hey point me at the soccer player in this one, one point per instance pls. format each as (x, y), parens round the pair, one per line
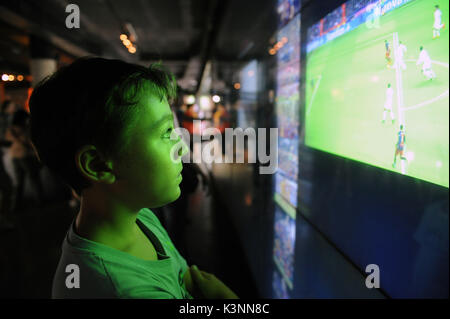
(400, 148)
(401, 50)
(388, 103)
(388, 54)
(425, 60)
(438, 25)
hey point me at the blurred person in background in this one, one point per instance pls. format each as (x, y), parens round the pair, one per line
(6, 111)
(23, 158)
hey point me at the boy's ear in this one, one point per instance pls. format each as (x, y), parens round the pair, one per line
(93, 166)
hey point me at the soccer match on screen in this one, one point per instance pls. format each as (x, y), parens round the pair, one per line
(377, 86)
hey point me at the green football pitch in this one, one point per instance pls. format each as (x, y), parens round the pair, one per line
(346, 82)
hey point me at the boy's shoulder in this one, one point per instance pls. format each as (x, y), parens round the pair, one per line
(152, 222)
(146, 215)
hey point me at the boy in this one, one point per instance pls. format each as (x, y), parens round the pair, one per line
(105, 126)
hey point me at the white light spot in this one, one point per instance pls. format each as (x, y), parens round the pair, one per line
(409, 156)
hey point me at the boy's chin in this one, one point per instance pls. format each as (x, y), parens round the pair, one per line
(176, 195)
(169, 198)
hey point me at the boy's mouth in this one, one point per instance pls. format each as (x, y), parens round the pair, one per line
(179, 177)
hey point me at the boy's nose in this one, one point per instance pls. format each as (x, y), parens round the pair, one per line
(179, 149)
(184, 149)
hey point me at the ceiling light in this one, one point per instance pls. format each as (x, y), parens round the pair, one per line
(189, 99)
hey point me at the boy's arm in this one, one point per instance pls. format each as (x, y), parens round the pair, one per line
(206, 285)
(190, 285)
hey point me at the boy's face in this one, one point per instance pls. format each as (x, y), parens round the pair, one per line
(146, 173)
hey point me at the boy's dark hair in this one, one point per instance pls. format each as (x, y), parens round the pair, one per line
(90, 101)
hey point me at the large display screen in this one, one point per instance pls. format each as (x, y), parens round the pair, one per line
(284, 243)
(286, 10)
(287, 109)
(377, 86)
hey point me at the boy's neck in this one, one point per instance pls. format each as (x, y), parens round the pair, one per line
(107, 221)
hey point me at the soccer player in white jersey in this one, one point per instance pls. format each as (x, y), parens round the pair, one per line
(388, 103)
(438, 25)
(401, 50)
(425, 60)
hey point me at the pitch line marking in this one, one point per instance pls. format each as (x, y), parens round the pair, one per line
(398, 79)
(432, 61)
(437, 98)
(313, 95)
